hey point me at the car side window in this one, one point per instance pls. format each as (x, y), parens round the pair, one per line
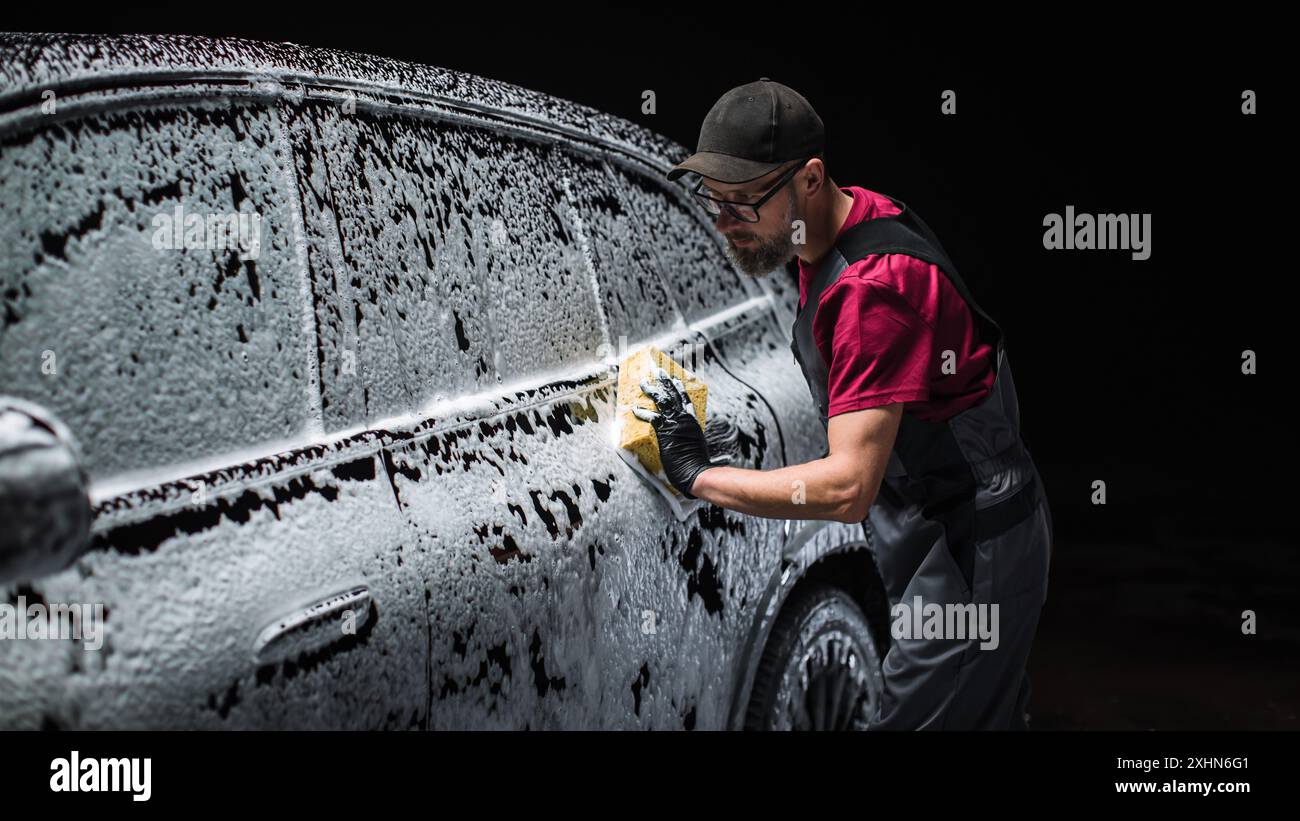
(446, 259)
(637, 305)
(684, 247)
(152, 296)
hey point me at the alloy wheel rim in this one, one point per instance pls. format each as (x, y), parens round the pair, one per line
(827, 687)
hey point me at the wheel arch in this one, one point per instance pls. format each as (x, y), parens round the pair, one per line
(821, 552)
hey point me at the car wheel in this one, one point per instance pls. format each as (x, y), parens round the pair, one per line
(820, 669)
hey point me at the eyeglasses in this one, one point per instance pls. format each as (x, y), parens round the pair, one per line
(743, 211)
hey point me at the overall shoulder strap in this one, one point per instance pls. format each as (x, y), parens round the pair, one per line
(906, 233)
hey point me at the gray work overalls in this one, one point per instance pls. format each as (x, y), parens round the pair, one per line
(961, 518)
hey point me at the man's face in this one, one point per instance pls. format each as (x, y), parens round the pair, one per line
(758, 247)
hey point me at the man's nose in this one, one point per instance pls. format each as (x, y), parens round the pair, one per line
(726, 223)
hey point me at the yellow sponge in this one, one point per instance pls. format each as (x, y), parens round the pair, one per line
(639, 436)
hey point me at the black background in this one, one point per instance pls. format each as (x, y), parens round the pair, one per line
(1129, 371)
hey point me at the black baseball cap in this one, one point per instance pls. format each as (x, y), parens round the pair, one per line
(752, 130)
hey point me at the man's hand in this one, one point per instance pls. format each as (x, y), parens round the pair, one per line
(682, 447)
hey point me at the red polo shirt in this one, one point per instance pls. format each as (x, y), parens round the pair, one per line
(884, 326)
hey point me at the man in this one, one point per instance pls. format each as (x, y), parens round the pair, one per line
(913, 386)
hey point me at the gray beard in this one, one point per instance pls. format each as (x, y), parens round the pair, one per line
(766, 254)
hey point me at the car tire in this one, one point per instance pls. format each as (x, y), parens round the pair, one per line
(820, 669)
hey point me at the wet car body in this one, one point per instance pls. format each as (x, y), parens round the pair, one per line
(399, 414)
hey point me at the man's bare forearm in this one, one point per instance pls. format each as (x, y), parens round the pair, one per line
(822, 489)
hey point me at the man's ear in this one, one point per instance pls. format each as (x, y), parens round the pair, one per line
(815, 171)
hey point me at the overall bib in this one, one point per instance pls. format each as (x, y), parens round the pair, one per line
(961, 518)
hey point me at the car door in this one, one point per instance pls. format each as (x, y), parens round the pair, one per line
(663, 279)
(248, 565)
(451, 274)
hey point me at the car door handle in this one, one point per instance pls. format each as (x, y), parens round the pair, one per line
(312, 626)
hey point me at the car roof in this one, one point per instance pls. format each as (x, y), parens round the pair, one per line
(31, 64)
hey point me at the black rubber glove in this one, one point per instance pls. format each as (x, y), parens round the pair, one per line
(682, 446)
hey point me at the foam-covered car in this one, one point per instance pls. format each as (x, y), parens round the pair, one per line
(309, 362)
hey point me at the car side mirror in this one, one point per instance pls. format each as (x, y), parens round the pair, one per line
(44, 503)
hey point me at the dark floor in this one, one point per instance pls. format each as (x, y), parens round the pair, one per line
(1141, 637)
